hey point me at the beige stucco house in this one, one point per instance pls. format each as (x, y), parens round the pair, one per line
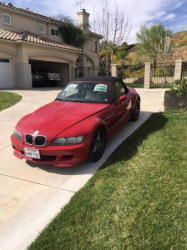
(30, 40)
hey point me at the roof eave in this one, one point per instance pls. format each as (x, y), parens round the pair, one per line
(42, 18)
(52, 47)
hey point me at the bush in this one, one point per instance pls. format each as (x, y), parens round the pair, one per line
(101, 72)
(134, 72)
(180, 87)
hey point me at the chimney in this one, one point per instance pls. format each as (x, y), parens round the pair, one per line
(83, 20)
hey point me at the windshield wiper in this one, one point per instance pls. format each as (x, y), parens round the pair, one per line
(64, 100)
(77, 101)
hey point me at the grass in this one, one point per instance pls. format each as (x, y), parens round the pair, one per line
(136, 201)
(153, 85)
(157, 85)
(8, 99)
(135, 85)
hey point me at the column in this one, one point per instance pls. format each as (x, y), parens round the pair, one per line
(178, 70)
(114, 70)
(23, 75)
(147, 75)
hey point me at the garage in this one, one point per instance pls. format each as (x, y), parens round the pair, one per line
(49, 74)
(6, 78)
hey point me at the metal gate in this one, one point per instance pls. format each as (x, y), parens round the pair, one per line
(132, 75)
(162, 75)
(184, 70)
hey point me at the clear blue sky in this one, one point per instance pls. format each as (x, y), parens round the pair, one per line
(171, 13)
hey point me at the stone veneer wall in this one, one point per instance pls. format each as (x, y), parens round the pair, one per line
(174, 102)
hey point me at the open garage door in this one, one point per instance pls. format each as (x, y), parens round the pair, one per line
(6, 79)
(49, 74)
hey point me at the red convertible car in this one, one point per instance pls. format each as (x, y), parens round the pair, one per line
(75, 126)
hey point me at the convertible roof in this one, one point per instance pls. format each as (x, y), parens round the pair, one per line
(99, 79)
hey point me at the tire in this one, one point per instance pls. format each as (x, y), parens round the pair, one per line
(136, 111)
(98, 145)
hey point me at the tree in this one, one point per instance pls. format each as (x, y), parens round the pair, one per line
(121, 53)
(155, 43)
(113, 25)
(72, 34)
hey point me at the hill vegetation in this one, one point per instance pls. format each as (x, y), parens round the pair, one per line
(180, 49)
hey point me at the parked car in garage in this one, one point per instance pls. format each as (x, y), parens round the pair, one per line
(54, 77)
(77, 124)
(41, 76)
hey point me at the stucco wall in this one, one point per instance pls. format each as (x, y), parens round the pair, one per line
(46, 53)
(21, 53)
(58, 38)
(22, 22)
(174, 102)
(90, 57)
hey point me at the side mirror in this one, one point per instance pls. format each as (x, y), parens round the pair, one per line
(122, 98)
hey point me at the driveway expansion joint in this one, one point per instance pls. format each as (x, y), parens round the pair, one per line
(1, 149)
(7, 121)
(38, 183)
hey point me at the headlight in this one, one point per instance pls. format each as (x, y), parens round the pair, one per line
(67, 141)
(17, 134)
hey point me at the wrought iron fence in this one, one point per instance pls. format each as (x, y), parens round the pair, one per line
(162, 75)
(133, 75)
(184, 70)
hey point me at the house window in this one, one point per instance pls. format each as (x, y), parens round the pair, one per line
(41, 28)
(96, 47)
(54, 32)
(7, 19)
(2, 60)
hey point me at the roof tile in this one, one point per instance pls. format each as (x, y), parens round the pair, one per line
(29, 12)
(33, 38)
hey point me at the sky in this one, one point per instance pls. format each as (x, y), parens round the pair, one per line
(171, 13)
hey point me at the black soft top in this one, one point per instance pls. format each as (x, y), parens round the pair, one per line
(99, 79)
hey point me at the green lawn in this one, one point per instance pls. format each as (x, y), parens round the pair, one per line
(136, 201)
(8, 99)
(135, 85)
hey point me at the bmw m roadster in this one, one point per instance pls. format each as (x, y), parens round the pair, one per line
(76, 125)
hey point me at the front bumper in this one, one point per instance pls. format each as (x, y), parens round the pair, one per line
(59, 156)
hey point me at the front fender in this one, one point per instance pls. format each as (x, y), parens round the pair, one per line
(85, 127)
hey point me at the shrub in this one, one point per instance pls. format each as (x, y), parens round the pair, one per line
(180, 87)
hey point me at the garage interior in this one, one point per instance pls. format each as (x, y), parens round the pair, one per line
(50, 67)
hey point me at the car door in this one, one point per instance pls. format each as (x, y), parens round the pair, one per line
(116, 117)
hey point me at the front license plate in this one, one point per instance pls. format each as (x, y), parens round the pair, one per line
(32, 153)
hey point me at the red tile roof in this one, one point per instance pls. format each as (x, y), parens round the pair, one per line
(33, 38)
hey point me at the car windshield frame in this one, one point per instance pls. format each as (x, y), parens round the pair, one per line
(97, 92)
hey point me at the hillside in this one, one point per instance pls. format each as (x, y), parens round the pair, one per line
(180, 44)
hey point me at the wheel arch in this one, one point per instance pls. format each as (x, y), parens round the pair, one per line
(103, 127)
(138, 98)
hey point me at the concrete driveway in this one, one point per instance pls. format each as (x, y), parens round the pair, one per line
(31, 195)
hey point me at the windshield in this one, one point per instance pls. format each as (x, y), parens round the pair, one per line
(91, 92)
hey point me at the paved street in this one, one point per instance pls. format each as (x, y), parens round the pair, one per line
(31, 195)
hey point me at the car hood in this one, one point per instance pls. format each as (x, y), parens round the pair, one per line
(58, 116)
